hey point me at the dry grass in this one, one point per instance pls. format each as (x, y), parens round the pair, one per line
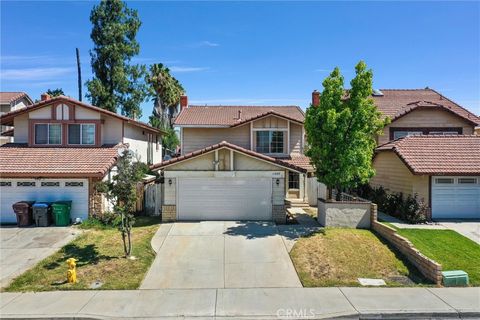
(311, 211)
(337, 257)
(100, 257)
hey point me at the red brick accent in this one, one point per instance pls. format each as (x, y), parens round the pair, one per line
(183, 102)
(315, 98)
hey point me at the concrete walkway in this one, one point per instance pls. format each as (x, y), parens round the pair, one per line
(252, 303)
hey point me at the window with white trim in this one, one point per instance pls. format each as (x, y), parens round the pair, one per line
(444, 133)
(81, 133)
(271, 142)
(467, 180)
(48, 133)
(444, 180)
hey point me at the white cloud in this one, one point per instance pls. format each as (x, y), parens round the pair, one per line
(179, 69)
(250, 101)
(323, 70)
(209, 44)
(27, 74)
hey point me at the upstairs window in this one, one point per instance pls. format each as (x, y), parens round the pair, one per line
(272, 142)
(83, 134)
(400, 134)
(48, 133)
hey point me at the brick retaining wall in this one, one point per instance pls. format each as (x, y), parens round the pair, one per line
(169, 213)
(428, 267)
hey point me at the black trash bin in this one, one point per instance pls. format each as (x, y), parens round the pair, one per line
(42, 214)
(23, 211)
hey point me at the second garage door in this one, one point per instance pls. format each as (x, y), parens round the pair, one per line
(224, 198)
(455, 197)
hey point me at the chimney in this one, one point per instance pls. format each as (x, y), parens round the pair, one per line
(183, 102)
(315, 98)
(45, 97)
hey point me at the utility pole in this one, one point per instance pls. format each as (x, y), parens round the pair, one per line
(79, 71)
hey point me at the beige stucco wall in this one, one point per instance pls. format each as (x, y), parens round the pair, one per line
(246, 163)
(199, 138)
(21, 129)
(111, 130)
(137, 139)
(42, 113)
(200, 163)
(426, 118)
(86, 114)
(295, 138)
(270, 122)
(393, 175)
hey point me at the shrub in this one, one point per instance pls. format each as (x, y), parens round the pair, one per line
(409, 209)
(105, 220)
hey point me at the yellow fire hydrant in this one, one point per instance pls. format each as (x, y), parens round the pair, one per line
(72, 270)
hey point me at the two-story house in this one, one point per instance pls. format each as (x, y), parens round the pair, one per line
(11, 101)
(236, 163)
(62, 148)
(429, 149)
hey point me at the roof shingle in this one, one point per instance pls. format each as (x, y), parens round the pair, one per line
(442, 155)
(397, 102)
(229, 115)
(19, 160)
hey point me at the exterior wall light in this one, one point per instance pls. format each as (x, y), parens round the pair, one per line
(277, 182)
(169, 182)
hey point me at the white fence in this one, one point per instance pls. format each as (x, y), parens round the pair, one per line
(153, 199)
(315, 190)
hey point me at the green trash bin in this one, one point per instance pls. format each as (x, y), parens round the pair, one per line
(61, 212)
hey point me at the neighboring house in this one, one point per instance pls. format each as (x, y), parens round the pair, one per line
(444, 171)
(11, 101)
(236, 163)
(62, 147)
(422, 111)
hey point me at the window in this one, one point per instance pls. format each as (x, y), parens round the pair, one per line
(270, 141)
(400, 134)
(444, 133)
(293, 180)
(73, 184)
(50, 184)
(467, 180)
(25, 184)
(444, 180)
(5, 184)
(81, 134)
(48, 133)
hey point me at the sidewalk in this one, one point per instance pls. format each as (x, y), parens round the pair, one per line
(271, 303)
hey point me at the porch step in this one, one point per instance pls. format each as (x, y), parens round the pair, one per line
(296, 203)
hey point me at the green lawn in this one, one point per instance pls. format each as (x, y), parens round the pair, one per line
(452, 250)
(100, 256)
(337, 257)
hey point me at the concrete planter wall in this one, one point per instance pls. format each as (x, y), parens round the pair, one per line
(348, 214)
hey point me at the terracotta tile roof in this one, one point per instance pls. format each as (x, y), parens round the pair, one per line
(19, 160)
(395, 103)
(8, 97)
(442, 155)
(228, 116)
(299, 160)
(7, 118)
(225, 144)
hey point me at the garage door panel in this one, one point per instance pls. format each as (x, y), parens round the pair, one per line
(456, 200)
(78, 194)
(224, 199)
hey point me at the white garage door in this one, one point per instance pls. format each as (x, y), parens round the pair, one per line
(224, 198)
(14, 190)
(456, 197)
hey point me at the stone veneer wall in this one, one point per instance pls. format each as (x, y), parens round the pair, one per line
(169, 213)
(279, 214)
(428, 267)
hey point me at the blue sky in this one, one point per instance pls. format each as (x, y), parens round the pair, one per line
(256, 53)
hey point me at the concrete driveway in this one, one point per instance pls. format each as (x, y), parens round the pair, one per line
(22, 248)
(469, 229)
(217, 254)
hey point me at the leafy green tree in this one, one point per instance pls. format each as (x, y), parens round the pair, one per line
(116, 82)
(55, 92)
(170, 140)
(341, 131)
(165, 91)
(122, 191)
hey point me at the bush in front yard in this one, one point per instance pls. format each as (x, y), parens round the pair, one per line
(410, 209)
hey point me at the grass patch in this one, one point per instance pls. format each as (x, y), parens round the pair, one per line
(449, 248)
(100, 256)
(337, 257)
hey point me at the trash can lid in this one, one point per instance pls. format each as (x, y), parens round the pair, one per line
(41, 205)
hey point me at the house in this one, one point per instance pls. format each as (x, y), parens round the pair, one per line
(442, 170)
(62, 148)
(236, 163)
(11, 101)
(421, 111)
